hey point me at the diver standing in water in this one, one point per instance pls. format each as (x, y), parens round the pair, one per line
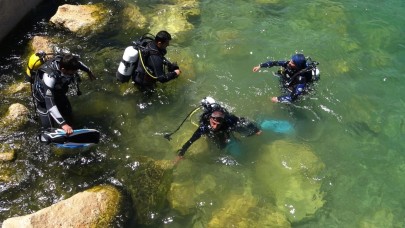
(218, 125)
(295, 75)
(151, 65)
(51, 84)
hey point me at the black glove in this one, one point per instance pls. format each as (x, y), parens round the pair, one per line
(172, 66)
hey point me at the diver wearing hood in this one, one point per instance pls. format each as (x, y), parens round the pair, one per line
(218, 125)
(295, 74)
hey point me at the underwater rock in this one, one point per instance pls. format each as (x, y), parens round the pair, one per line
(16, 88)
(174, 18)
(16, 117)
(81, 19)
(7, 153)
(383, 217)
(41, 43)
(242, 210)
(95, 207)
(134, 19)
(148, 182)
(289, 172)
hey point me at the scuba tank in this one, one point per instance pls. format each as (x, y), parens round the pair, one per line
(130, 58)
(127, 64)
(35, 61)
(314, 69)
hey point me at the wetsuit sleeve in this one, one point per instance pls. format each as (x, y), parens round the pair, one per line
(273, 63)
(49, 83)
(157, 65)
(83, 67)
(197, 134)
(246, 127)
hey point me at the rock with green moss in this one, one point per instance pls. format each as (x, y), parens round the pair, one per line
(7, 153)
(290, 173)
(15, 118)
(81, 19)
(133, 18)
(243, 210)
(96, 207)
(168, 17)
(148, 181)
(17, 89)
(380, 217)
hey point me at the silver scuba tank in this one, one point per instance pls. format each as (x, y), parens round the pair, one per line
(127, 64)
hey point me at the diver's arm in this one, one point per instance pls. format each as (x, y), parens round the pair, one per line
(50, 103)
(245, 126)
(269, 64)
(197, 134)
(157, 65)
(86, 69)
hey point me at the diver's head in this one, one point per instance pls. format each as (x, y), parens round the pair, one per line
(298, 61)
(216, 119)
(69, 64)
(162, 39)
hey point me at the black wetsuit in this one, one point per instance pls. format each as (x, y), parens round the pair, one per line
(294, 81)
(155, 63)
(222, 136)
(50, 88)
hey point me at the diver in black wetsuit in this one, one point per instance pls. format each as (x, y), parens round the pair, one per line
(153, 66)
(295, 75)
(50, 87)
(218, 124)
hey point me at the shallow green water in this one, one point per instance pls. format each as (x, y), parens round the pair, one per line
(353, 122)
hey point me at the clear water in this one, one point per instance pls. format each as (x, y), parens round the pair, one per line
(352, 123)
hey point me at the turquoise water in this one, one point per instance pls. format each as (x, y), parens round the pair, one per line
(351, 123)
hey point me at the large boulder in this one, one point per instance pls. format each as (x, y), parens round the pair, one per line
(15, 118)
(17, 89)
(291, 174)
(7, 153)
(96, 207)
(167, 17)
(148, 182)
(81, 19)
(41, 43)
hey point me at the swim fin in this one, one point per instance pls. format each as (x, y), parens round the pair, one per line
(79, 138)
(279, 126)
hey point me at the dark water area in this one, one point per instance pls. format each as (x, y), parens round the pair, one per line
(343, 166)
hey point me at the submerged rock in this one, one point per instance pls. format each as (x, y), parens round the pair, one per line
(148, 182)
(95, 207)
(81, 19)
(15, 118)
(7, 153)
(289, 172)
(17, 88)
(41, 43)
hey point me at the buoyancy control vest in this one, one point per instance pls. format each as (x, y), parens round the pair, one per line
(61, 86)
(308, 74)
